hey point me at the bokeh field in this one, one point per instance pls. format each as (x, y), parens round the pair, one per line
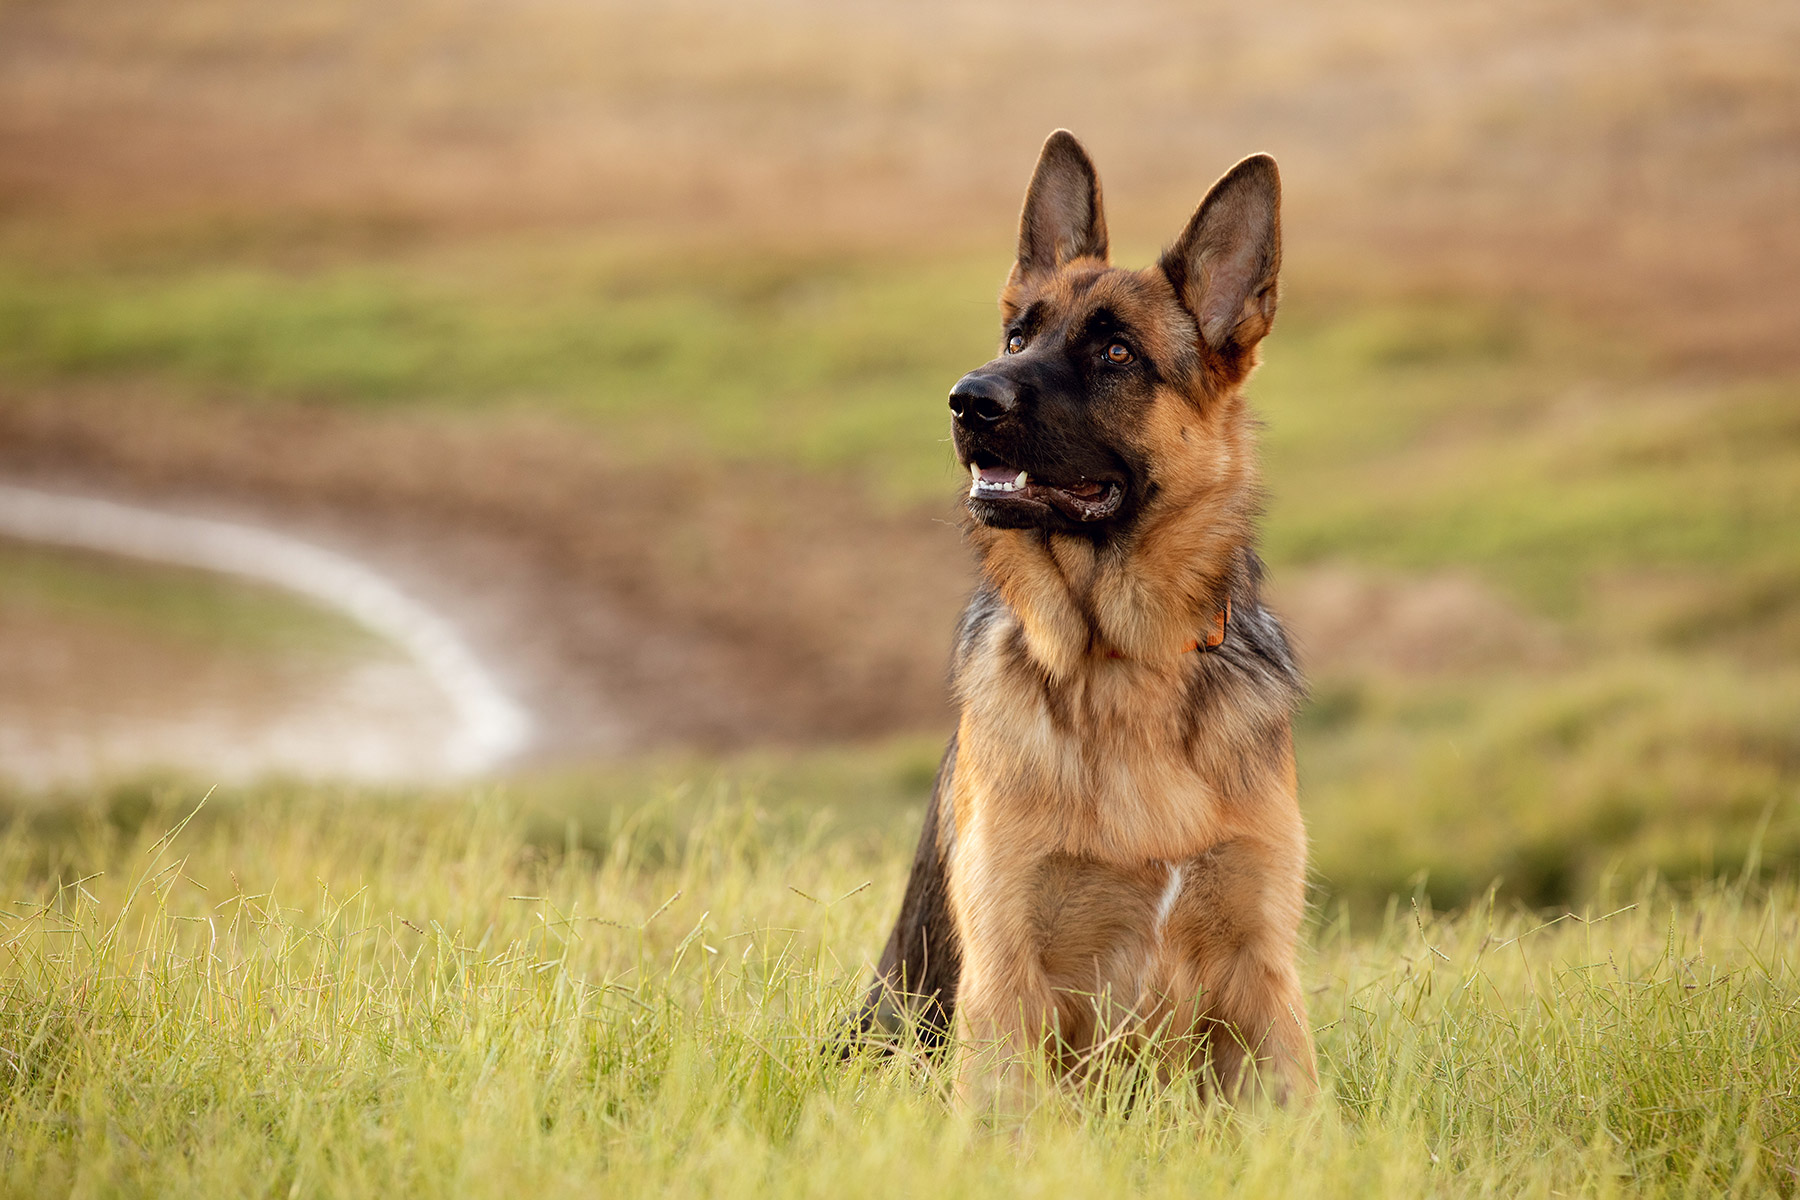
(628, 327)
(1622, 695)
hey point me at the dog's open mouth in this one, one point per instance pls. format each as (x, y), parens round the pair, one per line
(1082, 500)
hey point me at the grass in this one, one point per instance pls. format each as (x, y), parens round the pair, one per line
(1541, 471)
(1549, 782)
(307, 994)
(808, 359)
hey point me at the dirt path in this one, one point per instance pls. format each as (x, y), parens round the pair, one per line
(749, 607)
(84, 701)
(489, 725)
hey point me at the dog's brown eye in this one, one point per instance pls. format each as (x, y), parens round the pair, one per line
(1015, 343)
(1118, 354)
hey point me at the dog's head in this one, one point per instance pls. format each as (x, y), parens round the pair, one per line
(1107, 397)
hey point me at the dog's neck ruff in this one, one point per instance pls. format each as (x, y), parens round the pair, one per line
(1214, 638)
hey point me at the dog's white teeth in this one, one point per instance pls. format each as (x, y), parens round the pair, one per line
(987, 485)
(975, 472)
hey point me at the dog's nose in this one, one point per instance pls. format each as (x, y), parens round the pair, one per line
(983, 397)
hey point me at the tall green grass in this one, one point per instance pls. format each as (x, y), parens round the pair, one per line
(1549, 781)
(303, 997)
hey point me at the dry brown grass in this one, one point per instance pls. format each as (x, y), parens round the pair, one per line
(1640, 162)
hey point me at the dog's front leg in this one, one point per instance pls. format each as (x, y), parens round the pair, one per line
(1006, 1015)
(1234, 1002)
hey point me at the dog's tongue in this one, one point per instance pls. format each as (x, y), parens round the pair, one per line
(1000, 474)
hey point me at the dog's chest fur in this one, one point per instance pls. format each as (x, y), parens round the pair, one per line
(1078, 800)
(1097, 766)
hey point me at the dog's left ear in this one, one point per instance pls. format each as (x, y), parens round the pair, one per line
(1225, 263)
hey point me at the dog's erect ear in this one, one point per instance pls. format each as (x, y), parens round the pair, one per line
(1062, 218)
(1225, 262)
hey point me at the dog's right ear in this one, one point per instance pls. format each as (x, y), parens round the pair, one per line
(1062, 218)
(1225, 264)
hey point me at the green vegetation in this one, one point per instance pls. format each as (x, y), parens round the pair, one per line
(302, 996)
(1539, 459)
(809, 359)
(1549, 783)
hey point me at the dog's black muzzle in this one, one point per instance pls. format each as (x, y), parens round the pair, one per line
(984, 397)
(1036, 456)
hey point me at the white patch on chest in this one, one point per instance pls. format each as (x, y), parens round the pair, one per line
(1165, 904)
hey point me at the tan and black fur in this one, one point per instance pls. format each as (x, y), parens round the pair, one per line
(1114, 846)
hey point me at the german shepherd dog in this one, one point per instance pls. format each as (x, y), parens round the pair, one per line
(1113, 850)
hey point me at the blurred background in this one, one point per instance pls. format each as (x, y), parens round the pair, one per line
(614, 339)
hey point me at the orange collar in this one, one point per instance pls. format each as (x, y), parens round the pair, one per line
(1215, 637)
